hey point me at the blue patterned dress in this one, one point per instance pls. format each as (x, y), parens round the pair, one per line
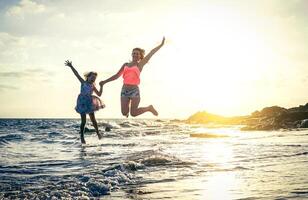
(86, 102)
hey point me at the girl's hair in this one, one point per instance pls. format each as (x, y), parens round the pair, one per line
(142, 52)
(86, 75)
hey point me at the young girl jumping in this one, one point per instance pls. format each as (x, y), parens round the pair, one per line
(86, 102)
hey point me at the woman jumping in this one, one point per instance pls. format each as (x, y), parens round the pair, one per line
(130, 94)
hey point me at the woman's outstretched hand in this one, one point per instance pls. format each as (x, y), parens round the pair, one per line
(68, 63)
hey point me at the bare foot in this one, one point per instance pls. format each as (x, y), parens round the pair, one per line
(152, 110)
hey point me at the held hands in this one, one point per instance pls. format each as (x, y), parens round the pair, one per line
(68, 63)
(101, 83)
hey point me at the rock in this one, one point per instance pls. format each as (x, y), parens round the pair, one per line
(300, 108)
(272, 111)
(304, 123)
(205, 118)
(89, 130)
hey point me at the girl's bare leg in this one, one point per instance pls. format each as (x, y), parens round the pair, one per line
(92, 117)
(82, 125)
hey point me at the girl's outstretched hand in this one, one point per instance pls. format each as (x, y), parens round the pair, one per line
(68, 63)
(163, 41)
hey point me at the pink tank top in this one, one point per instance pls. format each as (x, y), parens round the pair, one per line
(131, 75)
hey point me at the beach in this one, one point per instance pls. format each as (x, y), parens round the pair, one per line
(150, 159)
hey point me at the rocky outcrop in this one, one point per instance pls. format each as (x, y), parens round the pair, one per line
(269, 118)
(207, 118)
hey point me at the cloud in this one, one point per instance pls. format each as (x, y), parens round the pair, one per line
(28, 73)
(12, 74)
(7, 39)
(25, 7)
(7, 87)
(21, 50)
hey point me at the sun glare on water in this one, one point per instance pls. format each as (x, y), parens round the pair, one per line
(220, 182)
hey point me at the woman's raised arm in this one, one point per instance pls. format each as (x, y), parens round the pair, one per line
(149, 55)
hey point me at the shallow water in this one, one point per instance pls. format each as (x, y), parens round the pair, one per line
(150, 159)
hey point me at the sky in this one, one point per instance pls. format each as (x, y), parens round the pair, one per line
(224, 57)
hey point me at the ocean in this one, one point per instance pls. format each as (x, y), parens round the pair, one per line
(150, 159)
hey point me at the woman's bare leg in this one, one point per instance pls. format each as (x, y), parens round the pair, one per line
(92, 117)
(135, 110)
(82, 125)
(125, 106)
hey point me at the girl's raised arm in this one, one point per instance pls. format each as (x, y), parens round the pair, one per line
(149, 55)
(69, 64)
